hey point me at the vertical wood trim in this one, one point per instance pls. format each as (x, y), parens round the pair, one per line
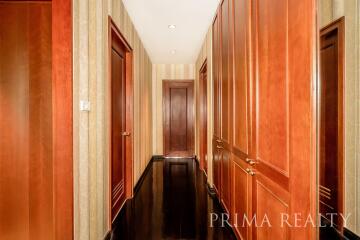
(62, 118)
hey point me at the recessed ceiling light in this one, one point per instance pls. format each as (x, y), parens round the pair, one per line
(172, 26)
(173, 51)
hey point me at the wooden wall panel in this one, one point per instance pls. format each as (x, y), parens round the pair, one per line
(36, 88)
(14, 122)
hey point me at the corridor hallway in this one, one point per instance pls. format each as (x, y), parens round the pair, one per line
(172, 202)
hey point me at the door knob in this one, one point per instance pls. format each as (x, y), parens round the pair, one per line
(126, 134)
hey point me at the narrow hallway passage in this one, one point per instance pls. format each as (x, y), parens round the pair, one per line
(172, 203)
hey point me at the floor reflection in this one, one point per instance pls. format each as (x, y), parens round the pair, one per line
(172, 203)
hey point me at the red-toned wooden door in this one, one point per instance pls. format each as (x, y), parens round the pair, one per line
(118, 120)
(242, 138)
(178, 118)
(283, 118)
(216, 116)
(226, 46)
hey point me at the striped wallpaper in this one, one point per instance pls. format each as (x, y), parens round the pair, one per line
(91, 145)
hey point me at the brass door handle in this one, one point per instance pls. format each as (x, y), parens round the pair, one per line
(126, 134)
(249, 171)
(218, 141)
(251, 162)
(219, 147)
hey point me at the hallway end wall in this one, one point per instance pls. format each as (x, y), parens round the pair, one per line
(165, 72)
(205, 54)
(91, 140)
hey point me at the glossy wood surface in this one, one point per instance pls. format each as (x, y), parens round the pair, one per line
(178, 118)
(331, 165)
(172, 203)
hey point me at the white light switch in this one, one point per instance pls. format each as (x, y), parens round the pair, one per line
(85, 106)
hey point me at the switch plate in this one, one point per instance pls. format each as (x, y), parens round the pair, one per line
(85, 106)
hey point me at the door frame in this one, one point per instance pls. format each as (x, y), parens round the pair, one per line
(113, 31)
(339, 26)
(203, 116)
(166, 84)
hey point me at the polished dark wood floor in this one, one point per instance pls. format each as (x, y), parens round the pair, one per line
(171, 203)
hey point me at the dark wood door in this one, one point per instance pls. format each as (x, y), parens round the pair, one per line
(203, 117)
(178, 118)
(331, 164)
(118, 117)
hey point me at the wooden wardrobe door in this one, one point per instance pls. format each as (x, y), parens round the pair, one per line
(225, 99)
(216, 112)
(283, 121)
(241, 133)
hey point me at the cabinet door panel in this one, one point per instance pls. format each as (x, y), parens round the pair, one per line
(226, 76)
(216, 75)
(226, 179)
(270, 201)
(242, 198)
(241, 85)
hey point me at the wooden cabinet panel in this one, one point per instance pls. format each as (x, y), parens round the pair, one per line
(216, 166)
(226, 179)
(241, 85)
(273, 85)
(216, 75)
(226, 75)
(264, 109)
(242, 198)
(271, 202)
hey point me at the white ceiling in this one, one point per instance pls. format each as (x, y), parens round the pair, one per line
(191, 17)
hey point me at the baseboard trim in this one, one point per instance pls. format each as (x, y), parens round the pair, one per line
(211, 191)
(348, 234)
(142, 177)
(158, 158)
(108, 236)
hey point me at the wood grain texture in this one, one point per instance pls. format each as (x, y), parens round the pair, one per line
(62, 97)
(39, 69)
